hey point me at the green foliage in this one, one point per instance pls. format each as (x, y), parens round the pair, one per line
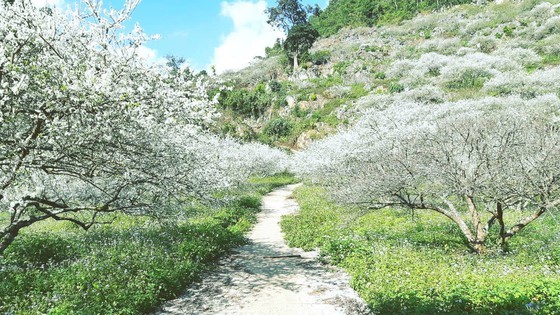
(275, 50)
(300, 39)
(318, 221)
(551, 59)
(41, 249)
(340, 67)
(469, 79)
(128, 267)
(405, 262)
(112, 271)
(320, 57)
(395, 87)
(289, 13)
(344, 13)
(325, 83)
(278, 127)
(508, 30)
(354, 13)
(275, 86)
(263, 185)
(300, 113)
(357, 90)
(326, 114)
(248, 103)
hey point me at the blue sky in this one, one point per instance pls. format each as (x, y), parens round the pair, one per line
(224, 33)
(194, 29)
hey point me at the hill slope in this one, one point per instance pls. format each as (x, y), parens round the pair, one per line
(464, 52)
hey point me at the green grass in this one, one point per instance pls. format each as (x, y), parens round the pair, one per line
(417, 263)
(551, 60)
(128, 267)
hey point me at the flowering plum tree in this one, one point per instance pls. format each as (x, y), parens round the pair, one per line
(480, 163)
(87, 128)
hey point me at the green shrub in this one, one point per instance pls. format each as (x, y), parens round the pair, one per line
(320, 57)
(278, 127)
(275, 86)
(396, 87)
(508, 31)
(341, 67)
(469, 78)
(266, 184)
(248, 202)
(300, 113)
(357, 90)
(246, 102)
(40, 249)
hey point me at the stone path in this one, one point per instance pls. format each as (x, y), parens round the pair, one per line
(266, 277)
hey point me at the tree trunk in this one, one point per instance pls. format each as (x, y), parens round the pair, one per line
(473, 241)
(7, 239)
(296, 65)
(479, 229)
(8, 235)
(480, 236)
(500, 218)
(478, 247)
(523, 223)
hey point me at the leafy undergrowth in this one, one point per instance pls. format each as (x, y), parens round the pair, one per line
(404, 263)
(128, 267)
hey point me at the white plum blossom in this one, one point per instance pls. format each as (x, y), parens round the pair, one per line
(88, 128)
(522, 56)
(487, 156)
(475, 132)
(446, 46)
(539, 82)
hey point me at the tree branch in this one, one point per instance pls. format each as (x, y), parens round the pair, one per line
(523, 223)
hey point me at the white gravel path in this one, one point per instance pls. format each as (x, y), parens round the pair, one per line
(253, 280)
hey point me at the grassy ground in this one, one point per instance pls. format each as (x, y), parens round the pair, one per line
(128, 267)
(404, 263)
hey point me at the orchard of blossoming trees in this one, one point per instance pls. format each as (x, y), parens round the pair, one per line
(479, 163)
(473, 133)
(87, 128)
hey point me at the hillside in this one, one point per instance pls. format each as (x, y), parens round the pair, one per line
(466, 51)
(442, 194)
(425, 139)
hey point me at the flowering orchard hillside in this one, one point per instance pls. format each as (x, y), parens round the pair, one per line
(479, 163)
(430, 150)
(439, 190)
(470, 127)
(88, 129)
(461, 52)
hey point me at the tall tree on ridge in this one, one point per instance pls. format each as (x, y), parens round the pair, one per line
(292, 17)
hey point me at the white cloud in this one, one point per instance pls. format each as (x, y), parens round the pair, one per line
(149, 56)
(250, 36)
(50, 3)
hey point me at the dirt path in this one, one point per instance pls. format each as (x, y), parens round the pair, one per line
(266, 277)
